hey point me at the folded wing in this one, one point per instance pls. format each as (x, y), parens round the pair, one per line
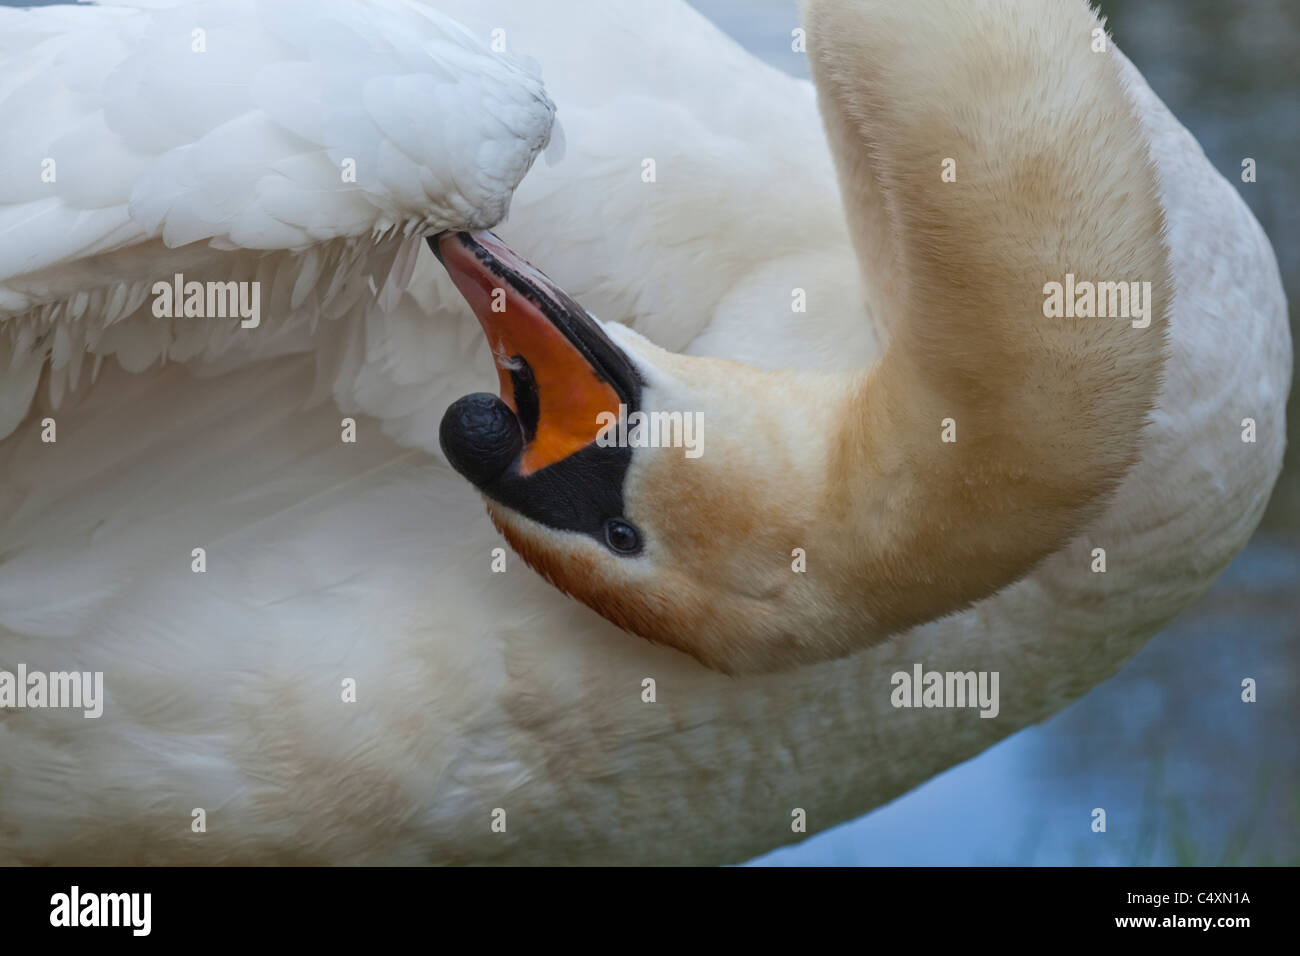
(304, 145)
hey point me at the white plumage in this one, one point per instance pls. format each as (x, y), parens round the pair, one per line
(372, 561)
(307, 145)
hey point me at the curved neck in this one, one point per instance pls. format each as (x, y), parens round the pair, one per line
(984, 152)
(982, 159)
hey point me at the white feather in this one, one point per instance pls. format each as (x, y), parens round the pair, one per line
(211, 139)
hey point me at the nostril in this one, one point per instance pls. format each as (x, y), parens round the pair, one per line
(481, 437)
(527, 401)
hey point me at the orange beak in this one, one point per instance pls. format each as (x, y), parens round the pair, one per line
(558, 370)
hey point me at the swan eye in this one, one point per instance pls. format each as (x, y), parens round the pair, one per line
(622, 537)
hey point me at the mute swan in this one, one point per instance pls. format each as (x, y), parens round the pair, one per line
(480, 692)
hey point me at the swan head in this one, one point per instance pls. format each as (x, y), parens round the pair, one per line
(829, 511)
(667, 492)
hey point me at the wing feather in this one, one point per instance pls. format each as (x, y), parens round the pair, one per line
(304, 145)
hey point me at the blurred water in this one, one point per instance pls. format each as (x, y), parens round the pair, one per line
(1187, 773)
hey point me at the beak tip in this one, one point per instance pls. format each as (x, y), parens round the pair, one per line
(435, 242)
(467, 239)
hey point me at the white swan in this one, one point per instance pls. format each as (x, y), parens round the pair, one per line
(479, 691)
